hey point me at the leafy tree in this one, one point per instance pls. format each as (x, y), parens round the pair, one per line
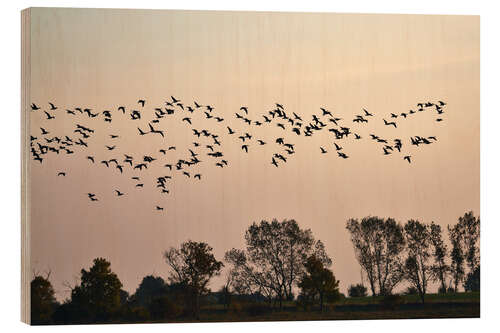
(378, 244)
(149, 288)
(43, 302)
(457, 259)
(357, 290)
(193, 265)
(418, 270)
(473, 280)
(318, 281)
(440, 269)
(98, 297)
(464, 238)
(274, 259)
(469, 227)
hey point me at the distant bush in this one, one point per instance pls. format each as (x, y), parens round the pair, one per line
(411, 291)
(357, 290)
(139, 314)
(303, 302)
(164, 308)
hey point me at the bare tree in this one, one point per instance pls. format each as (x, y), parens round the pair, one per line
(440, 269)
(378, 244)
(464, 238)
(274, 258)
(418, 270)
(193, 265)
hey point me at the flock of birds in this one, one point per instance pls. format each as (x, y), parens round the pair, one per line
(208, 143)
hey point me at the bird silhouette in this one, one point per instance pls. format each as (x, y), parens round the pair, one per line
(367, 114)
(390, 123)
(49, 116)
(209, 142)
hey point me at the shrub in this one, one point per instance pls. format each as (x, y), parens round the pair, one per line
(164, 308)
(411, 291)
(442, 290)
(357, 290)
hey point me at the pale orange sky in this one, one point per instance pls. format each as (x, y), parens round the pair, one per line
(345, 62)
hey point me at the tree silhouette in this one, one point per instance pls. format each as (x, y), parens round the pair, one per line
(440, 269)
(193, 265)
(469, 226)
(43, 302)
(473, 280)
(274, 259)
(464, 238)
(357, 290)
(378, 245)
(417, 267)
(149, 288)
(98, 297)
(318, 281)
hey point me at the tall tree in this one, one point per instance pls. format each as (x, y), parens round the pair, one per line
(98, 297)
(193, 265)
(43, 301)
(469, 226)
(457, 268)
(378, 244)
(464, 238)
(440, 269)
(318, 280)
(417, 267)
(274, 258)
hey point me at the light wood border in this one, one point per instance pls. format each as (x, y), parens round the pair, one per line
(25, 165)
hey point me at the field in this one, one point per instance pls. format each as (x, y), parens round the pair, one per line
(460, 305)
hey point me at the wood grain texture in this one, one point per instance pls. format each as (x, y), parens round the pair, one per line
(25, 164)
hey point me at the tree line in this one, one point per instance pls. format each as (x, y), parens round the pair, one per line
(280, 264)
(390, 253)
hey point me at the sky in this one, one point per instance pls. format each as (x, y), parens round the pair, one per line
(102, 59)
